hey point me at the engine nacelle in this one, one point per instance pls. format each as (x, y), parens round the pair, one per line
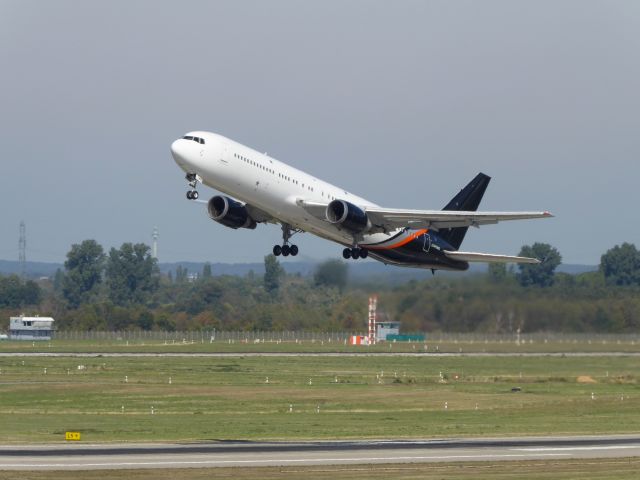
(229, 213)
(347, 216)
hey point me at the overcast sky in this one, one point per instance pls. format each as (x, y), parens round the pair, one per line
(400, 102)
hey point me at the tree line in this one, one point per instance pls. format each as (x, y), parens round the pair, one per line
(123, 289)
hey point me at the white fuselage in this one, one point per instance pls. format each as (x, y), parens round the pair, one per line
(264, 183)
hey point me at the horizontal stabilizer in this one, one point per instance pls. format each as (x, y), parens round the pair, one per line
(488, 257)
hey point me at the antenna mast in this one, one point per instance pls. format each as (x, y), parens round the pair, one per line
(22, 250)
(373, 303)
(155, 236)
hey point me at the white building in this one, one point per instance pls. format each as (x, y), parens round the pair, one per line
(30, 328)
(386, 328)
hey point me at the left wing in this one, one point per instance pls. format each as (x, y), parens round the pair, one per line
(488, 257)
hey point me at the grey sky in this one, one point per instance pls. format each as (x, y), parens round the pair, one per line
(400, 102)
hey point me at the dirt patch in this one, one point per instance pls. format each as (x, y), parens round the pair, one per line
(585, 379)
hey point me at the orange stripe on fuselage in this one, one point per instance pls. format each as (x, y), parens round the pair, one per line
(401, 243)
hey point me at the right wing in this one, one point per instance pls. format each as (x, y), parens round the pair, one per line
(391, 219)
(386, 219)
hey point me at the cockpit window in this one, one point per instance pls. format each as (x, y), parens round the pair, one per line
(195, 139)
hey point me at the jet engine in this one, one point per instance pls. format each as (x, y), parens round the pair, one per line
(347, 216)
(229, 213)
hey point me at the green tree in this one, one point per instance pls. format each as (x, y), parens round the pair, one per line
(497, 272)
(206, 271)
(621, 265)
(145, 320)
(132, 274)
(58, 280)
(31, 293)
(542, 273)
(332, 273)
(273, 273)
(84, 267)
(181, 274)
(15, 293)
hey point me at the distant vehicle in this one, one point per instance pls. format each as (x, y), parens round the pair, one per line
(4, 336)
(262, 189)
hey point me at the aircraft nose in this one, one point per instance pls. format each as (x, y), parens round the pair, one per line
(179, 151)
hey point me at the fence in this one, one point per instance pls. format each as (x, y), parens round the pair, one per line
(308, 336)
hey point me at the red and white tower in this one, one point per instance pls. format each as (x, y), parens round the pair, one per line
(373, 303)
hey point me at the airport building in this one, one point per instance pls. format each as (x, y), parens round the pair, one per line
(384, 329)
(30, 328)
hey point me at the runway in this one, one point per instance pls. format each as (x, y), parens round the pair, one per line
(316, 354)
(257, 454)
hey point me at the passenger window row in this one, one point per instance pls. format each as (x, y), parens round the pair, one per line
(280, 175)
(255, 164)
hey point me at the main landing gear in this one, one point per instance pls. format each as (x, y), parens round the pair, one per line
(193, 180)
(285, 250)
(355, 253)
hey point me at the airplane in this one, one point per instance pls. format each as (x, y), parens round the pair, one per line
(260, 189)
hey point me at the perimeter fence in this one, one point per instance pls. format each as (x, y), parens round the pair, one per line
(207, 336)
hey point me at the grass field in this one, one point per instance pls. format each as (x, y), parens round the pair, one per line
(111, 399)
(248, 345)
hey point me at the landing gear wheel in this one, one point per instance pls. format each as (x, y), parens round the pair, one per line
(355, 253)
(346, 253)
(285, 250)
(193, 180)
(364, 253)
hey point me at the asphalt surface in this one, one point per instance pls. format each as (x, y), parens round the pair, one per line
(319, 354)
(255, 454)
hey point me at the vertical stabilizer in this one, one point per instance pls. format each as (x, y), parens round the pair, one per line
(467, 200)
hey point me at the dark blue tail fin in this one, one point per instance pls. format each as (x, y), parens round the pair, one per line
(466, 200)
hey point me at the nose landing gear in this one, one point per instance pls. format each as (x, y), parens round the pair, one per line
(285, 250)
(193, 179)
